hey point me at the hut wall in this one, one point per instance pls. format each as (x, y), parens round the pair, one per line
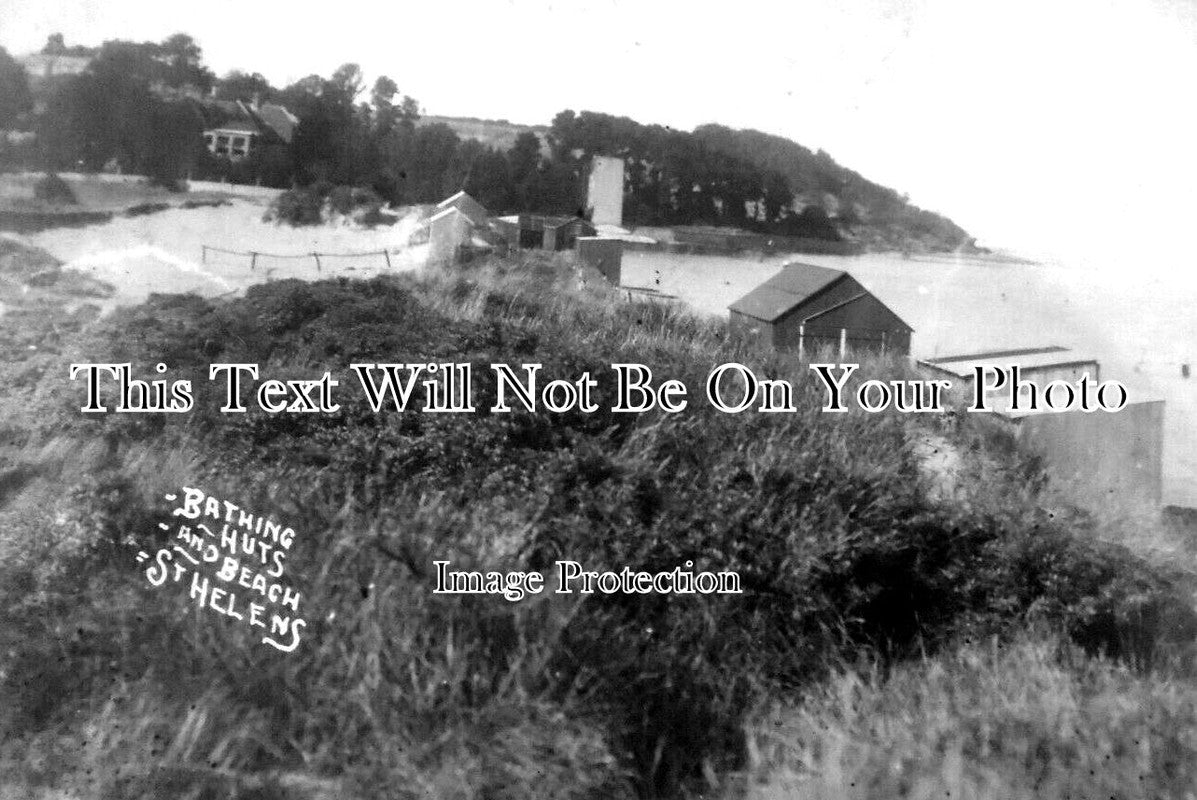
(1111, 455)
(870, 326)
(605, 255)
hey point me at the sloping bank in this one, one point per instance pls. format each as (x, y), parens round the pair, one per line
(120, 689)
(35, 217)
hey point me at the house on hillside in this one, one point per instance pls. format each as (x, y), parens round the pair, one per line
(46, 71)
(805, 308)
(46, 66)
(234, 129)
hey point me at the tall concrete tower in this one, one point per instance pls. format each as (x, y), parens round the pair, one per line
(604, 192)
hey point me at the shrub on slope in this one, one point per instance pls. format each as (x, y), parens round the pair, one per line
(1030, 720)
(825, 518)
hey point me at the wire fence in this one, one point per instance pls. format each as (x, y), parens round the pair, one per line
(258, 258)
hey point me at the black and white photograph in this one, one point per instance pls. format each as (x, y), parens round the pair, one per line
(598, 400)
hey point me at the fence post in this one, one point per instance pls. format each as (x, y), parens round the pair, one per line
(204, 254)
(317, 257)
(253, 261)
(387, 255)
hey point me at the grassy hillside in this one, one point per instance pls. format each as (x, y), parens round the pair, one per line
(497, 133)
(852, 566)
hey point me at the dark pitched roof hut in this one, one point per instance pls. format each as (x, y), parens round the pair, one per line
(805, 307)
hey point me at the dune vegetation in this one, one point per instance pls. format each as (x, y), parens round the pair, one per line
(893, 638)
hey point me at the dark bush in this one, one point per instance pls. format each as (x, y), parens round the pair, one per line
(824, 517)
(53, 189)
(297, 207)
(303, 205)
(348, 199)
(144, 209)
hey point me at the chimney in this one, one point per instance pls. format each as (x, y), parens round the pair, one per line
(256, 101)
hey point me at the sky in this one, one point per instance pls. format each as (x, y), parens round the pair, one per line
(1052, 127)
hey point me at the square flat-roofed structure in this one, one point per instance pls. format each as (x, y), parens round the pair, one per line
(1039, 365)
(805, 308)
(1101, 454)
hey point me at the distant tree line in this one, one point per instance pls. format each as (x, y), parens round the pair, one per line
(16, 101)
(142, 105)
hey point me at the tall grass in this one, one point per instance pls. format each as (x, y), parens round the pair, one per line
(1034, 719)
(843, 549)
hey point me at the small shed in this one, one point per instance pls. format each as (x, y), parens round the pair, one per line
(805, 307)
(449, 231)
(605, 255)
(562, 233)
(473, 210)
(542, 230)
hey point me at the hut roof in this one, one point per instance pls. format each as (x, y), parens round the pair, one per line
(466, 205)
(448, 212)
(785, 291)
(279, 119)
(1028, 360)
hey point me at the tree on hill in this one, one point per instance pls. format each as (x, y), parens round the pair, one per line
(489, 182)
(110, 112)
(176, 62)
(326, 114)
(816, 173)
(55, 45)
(813, 223)
(176, 143)
(431, 154)
(100, 115)
(523, 161)
(387, 113)
(382, 95)
(238, 85)
(15, 99)
(673, 177)
(183, 63)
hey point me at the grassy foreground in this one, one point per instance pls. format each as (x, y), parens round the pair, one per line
(850, 667)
